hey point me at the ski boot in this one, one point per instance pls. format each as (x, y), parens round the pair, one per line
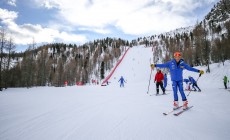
(185, 105)
(175, 105)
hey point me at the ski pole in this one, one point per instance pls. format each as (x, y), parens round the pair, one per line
(149, 80)
(196, 82)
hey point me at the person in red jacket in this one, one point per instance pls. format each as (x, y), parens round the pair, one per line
(159, 77)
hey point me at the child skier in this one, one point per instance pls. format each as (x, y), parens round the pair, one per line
(176, 67)
(194, 83)
(122, 81)
(158, 79)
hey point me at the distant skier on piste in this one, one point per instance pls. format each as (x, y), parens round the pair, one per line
(225, 81)
(194, 83)
(122, 81)
(159, 77)
(176, 67)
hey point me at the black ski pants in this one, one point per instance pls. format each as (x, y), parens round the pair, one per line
(225, 85)
(161, 85)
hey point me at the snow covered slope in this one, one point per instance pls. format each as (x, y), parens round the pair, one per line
(135, 67)
(114, 113)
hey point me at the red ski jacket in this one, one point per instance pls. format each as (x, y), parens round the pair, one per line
(159, 77)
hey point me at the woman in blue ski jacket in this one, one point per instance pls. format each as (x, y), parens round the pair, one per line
(176, 67)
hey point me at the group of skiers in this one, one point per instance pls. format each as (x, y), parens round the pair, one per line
(176, 67)
(161, 80)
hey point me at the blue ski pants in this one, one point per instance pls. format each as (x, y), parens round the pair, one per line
(195, 85)
(122, 84)
(178, 85)
(165, 84)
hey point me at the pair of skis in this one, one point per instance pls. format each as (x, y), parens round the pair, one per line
(158, 94)
(161, 94)
(177, 113)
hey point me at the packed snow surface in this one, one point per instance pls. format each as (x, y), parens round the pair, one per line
(95, 112)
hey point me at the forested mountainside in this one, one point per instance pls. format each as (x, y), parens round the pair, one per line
(53, 64)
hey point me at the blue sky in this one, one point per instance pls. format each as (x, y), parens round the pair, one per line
(80, 21)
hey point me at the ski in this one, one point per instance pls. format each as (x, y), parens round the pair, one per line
(179, 113)
(161, 94)
(167, 113)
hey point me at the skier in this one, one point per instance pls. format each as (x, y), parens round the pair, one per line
(187, 84)
(121, 80)
(159, 77)
(176, 67)
(165, 81)
(194, 83)
(66, 83)
(225, 81)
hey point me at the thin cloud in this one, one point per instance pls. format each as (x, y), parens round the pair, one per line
(12, 2)
(24, 33)
(7, 15)
(97, 30)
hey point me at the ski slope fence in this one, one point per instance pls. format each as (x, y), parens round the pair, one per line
(111, 73)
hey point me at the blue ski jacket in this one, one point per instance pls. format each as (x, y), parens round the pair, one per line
(121, 80)
(192, 80)
(176, 69)
(186, 80)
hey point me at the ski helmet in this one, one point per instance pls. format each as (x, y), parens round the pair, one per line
(177, 54)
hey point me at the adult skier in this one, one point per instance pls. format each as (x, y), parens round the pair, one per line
(122, 81)
(159, 77)
(165, 81)
(225, 81)
(194, 83)
(176, 67)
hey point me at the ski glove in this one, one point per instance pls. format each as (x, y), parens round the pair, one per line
(152, 66)
(201, 71)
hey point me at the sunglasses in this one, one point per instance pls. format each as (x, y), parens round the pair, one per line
(177, 56)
